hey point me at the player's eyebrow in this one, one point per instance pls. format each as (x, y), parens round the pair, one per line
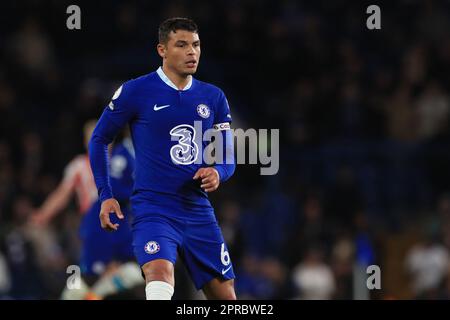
(182, 42)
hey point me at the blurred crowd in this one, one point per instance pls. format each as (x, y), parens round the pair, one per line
(364, 148)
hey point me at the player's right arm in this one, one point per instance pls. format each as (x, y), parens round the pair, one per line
(55, 202)
(119, 111)
(59, 198)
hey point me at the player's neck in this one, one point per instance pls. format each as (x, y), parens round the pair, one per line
(178, 80)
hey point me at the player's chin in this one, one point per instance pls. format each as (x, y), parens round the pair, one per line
(190, 70)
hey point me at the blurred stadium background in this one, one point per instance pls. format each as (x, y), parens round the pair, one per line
(365, 139)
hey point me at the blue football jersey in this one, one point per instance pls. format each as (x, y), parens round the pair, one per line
(166, 126)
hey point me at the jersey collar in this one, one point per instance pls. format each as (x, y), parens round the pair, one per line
(164, 78)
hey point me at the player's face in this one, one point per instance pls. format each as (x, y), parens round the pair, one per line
(182, 52)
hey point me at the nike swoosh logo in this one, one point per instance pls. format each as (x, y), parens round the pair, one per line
(225, 270)
(156, 108)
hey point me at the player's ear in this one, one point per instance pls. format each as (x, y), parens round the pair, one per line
(161, 48)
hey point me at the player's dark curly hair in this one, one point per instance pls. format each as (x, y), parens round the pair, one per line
(174, 24)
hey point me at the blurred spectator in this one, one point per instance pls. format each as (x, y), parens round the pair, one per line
(32, 47)
(401, 119)
(342, 263)
(313, 278)
(444, 290)
(433, 111)
(428, 263)
(26, 281)
(5, 277)
(312, 228)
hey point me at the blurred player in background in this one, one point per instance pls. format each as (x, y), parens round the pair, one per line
(173, 215)
(106, 259)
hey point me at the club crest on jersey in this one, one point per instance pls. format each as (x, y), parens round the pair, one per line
(203, 110)
(151, 247)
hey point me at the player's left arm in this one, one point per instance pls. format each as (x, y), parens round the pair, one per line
(119, 112)
(220, 172)
(115, 116)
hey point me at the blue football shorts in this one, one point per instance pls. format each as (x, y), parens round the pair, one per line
(199, 244)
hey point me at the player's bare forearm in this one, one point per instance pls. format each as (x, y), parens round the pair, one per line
(210, 178)
(54, 203)
(109, 206)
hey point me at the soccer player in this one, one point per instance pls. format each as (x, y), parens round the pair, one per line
(173, 216)
(105, 258)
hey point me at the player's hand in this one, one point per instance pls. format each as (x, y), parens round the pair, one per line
(210, 178)
(109, 206)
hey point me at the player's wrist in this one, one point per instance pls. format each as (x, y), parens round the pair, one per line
(109, 200)
(218, 172)
(106, 195)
